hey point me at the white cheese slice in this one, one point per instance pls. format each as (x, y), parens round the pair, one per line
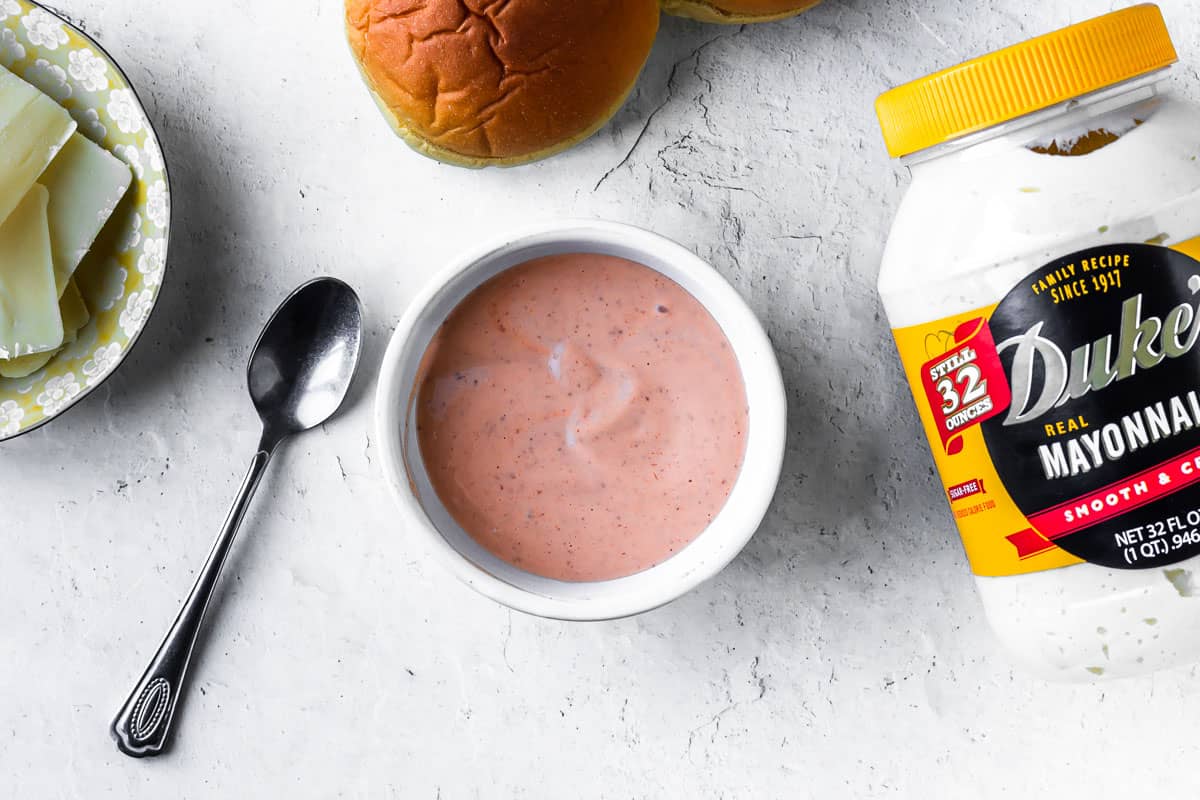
(25, 366)
(86, 182)
(74, 315)
(30, 320)
(73, 308)
(32, 130)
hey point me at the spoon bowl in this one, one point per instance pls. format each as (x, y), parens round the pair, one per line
(303, 363)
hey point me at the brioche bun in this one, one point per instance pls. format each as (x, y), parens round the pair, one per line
(737, 11)
(498, 83)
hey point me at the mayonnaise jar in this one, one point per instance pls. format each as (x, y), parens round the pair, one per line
(1042, 284)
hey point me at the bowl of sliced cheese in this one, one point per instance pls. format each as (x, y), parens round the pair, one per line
(85, 207)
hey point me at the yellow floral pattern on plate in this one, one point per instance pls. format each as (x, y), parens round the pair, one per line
(121, 276)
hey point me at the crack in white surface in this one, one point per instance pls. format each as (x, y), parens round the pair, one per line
(507, 639)
(671, 89)
(714, 721)
(916, 16)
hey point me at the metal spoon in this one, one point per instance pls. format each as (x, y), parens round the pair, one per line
(298, 375)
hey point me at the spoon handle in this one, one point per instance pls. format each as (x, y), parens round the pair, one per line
(143, 723)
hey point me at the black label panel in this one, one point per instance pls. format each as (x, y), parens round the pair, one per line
(1100, 444)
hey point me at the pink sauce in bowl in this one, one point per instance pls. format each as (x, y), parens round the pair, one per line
(581, 416)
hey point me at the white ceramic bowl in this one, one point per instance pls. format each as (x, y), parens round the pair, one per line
(425, 516)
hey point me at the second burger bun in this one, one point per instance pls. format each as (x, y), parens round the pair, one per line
(737, 11)
(499, 82)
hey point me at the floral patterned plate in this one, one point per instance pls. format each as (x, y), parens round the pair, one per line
(121, 276)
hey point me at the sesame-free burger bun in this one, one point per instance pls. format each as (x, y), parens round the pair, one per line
(737, 11)
(499, 82)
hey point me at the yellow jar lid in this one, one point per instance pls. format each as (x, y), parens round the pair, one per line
(1026, 77)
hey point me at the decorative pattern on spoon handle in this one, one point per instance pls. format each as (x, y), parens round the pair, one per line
(150, 710)
(141, 728)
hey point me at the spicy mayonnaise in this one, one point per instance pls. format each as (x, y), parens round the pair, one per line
(582, 416)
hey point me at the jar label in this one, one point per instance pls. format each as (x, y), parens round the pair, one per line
(1065, 420)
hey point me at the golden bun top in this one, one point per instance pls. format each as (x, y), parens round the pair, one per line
(499, 82)
(737, 10)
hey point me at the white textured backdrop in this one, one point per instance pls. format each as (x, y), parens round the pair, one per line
(842, 655)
